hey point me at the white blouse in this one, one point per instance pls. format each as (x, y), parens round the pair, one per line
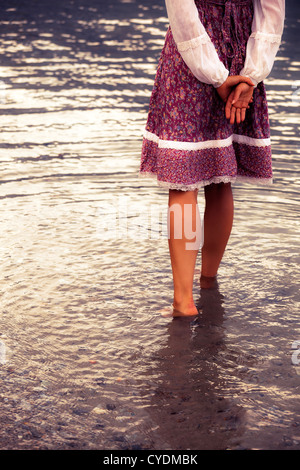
(200, 55)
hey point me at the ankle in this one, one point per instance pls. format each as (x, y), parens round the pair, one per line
(182, 302)
(207, 282)
(184, 309)
(183, 296)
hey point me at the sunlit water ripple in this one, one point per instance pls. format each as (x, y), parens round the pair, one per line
(86, 359)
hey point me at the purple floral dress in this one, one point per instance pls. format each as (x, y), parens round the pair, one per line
(188, 142)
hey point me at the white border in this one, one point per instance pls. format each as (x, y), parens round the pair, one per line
(191, 146)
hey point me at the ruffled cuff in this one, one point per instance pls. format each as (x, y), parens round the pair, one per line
(271, 38)
(260, 56)
(201, 57)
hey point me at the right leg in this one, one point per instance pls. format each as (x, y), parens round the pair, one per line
(183, 249)
(218, 219)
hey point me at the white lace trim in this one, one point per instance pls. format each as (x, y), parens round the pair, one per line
(193, 43)
(201, 184)
(244, 139)
(267, 37)
(191, 146)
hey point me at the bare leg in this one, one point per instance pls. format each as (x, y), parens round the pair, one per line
(183, 254)
(218, 219)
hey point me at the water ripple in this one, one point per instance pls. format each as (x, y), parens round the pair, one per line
(86, 360)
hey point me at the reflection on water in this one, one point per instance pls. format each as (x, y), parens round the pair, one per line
(85, 359)
(189, 404)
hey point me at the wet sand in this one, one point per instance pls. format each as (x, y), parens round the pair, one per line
(86, 360)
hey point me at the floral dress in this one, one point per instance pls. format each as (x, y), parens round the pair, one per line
(188, 142)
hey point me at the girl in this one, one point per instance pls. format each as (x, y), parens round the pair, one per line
(208, 123)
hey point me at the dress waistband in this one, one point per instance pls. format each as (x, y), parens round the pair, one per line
(230, 26)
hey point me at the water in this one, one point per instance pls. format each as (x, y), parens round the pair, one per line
(86, 360)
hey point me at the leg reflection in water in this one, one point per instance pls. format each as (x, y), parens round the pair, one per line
(188, 404)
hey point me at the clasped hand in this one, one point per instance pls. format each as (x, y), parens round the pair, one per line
(237, 93)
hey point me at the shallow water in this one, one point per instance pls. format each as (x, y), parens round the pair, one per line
(87, 362)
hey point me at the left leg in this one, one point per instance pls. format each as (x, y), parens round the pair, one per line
(218, 219)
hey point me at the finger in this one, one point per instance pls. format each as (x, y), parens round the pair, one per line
(236, 95)
(232, 115)
(228, 106)
(243, 114)
(238, 116)
(227, 110)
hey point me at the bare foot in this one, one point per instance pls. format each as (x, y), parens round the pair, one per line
(176, 312)
(185, 311)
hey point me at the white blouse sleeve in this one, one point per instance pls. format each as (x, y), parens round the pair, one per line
(194, 44)
(264, 42)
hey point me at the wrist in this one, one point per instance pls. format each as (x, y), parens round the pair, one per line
(255, 83)
(222, 80)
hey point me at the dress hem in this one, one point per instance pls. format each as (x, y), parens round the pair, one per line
(201, 184)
